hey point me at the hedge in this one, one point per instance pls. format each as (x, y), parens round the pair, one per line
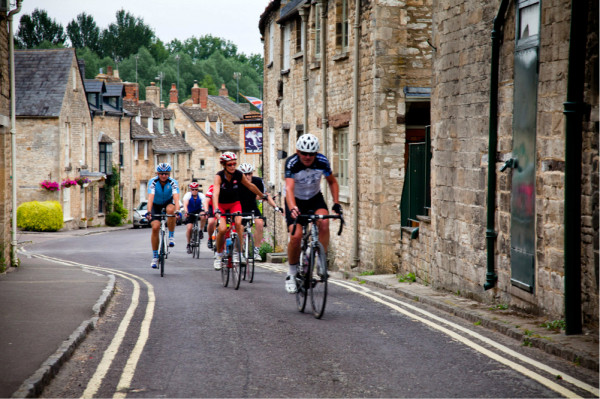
(40, 216)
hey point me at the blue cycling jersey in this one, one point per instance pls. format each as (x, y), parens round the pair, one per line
(163, 194)
(307, 178)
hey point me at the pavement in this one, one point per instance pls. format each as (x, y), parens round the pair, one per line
(47, 309)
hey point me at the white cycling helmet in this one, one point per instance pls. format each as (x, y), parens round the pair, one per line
(228, 156)
(246, 168)
(308, 143)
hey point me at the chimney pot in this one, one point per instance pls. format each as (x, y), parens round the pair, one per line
(173, 95)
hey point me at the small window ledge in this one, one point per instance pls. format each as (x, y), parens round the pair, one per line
(413, 232)
(298, 55)
(340, 56)
(424, 219)
(315, 65)
(285, 71)
(270, 64)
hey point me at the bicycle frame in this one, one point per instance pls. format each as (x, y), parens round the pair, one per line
(231, 262)
(163, 247)
(195, 236)
(248, 246)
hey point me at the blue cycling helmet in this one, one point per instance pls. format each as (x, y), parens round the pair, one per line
(163, 167)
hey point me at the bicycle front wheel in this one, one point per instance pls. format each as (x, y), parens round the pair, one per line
(250, 258)
(224, 272)
(318, 280)
(236, 262)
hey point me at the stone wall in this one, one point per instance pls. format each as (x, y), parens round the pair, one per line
(5, 151)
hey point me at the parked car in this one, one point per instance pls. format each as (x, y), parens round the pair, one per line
(139, 216)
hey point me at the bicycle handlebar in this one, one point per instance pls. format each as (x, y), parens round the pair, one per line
(312, 217)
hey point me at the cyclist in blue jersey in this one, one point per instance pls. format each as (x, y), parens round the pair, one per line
(192, 203)
(163, 192)
(303, 172)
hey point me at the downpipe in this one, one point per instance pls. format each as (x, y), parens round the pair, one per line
(354, 140)
(490, 232)
(13, 135)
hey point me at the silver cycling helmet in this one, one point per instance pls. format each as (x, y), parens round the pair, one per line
(308, 143)
(246, 168)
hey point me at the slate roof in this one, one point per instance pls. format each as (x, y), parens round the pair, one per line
(290, 9)
(41, 78)
(264, 17)
(115, 90)
(139, 132)
(198, 115)
(221, 141)
(237, 110)
(94, 86)
(168, 142)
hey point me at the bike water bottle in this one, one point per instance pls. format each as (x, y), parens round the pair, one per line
(227, 245)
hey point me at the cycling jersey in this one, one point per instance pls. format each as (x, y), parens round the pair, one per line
(163, 195)
(248, 198)
(230, 188)
(307, 178)
(194, 204)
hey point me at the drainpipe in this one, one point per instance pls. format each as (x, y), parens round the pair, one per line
(324, 121)
(490, 232)
(304, 15)
(354, 139)
(13, 134)
(573, 110)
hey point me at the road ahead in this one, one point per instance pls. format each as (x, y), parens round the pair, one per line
(184, 335)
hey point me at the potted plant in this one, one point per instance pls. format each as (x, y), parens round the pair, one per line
(50, 185)
(90, 221)
(68, 183)
(82, 181)
(83, 223)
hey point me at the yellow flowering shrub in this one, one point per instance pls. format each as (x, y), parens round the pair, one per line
(40, 216)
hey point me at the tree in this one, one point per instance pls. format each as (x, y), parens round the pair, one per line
(93, 63)
(37, 28)
(126, 36)
(83, 32)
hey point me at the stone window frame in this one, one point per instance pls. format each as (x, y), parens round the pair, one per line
(342, 26)
(341, 158)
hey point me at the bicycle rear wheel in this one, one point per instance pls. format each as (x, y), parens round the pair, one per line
(250, 258)
(318, 280)
(236, 261)
(162, 254)
(225, 271)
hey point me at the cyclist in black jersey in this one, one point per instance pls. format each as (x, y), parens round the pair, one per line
(248, 200)
(303, 172)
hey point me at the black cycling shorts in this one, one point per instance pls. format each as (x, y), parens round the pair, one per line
(313, 204)
(157, 208)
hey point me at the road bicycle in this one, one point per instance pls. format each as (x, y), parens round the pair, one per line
(231, 262)
(163, 245)
(312, 275)
(195, 239)
(247, 268)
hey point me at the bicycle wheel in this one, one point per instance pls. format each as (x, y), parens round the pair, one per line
(318, 280)
(225, 271)
(195, 244)
(162, 254)
(301, 286)
(250, 258)
(236, 261)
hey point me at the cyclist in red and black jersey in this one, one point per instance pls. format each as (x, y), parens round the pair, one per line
(226, 198)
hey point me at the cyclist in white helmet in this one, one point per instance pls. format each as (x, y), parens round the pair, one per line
(303, 172)
(163, 192)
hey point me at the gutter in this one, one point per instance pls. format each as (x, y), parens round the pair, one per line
(354, 139)
(490, 232)
(13, 134)
(324, 121)
(573, 110)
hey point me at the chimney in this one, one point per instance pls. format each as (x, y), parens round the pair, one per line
(173, 95)
(109, 71)
(195, 93)
(153, 94)
(223, 91)
(203, 97)
(132, 92)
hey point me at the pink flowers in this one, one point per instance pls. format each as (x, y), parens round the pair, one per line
(82, 180)
(68, 183)
(50, 185)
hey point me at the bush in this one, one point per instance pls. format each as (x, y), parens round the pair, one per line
(113, 219)
(40, 216)
(265, 248)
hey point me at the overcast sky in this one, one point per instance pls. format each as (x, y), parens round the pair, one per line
(233, 20)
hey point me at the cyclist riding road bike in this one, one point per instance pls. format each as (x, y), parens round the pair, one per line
(303, 172)
(193, 203)
(248, 200)
(163, 192)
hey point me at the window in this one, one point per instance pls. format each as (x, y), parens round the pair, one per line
(219, 127)
(207, 126)
(298, 32)
(67, 144)
(136, 149)
(161, 125)
(341, 25)
(172, 125)
(105, 162)
(318, 30)
(66, 203)
(271, 41)
(121, 157)
(340, 157)
(101, 195)
(146, 150)
(83, 142)
(202, 164)
(529, 20)
(286, 47)
(93, 99)
(150, 125)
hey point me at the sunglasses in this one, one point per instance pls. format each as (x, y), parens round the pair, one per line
(308, 154)
(231, 164)
(164, 174)
(194, 189)
(248, 174)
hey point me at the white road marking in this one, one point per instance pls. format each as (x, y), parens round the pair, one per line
(377, 297)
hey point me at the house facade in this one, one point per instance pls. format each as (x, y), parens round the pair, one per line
(54, 141)
(5, 150)
(356, 74)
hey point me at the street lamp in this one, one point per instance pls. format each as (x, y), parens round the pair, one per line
(160, 77)
(237, 76)
(177, 57)
(136, 60)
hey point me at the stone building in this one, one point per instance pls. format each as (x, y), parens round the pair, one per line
(54, 127)
(5, 148)
(357, 74)
(528, 101)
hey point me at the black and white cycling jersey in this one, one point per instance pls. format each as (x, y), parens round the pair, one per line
(307, 178)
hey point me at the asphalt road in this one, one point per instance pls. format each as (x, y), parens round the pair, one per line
(185, 335)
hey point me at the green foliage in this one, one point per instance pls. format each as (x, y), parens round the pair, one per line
(555, 325)
(125, 36)
(501, 306)
(407, 278)
(265, 248)
(367, 273)
(113, 219)
(37, 28)
(83, 32)
(40, 216)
